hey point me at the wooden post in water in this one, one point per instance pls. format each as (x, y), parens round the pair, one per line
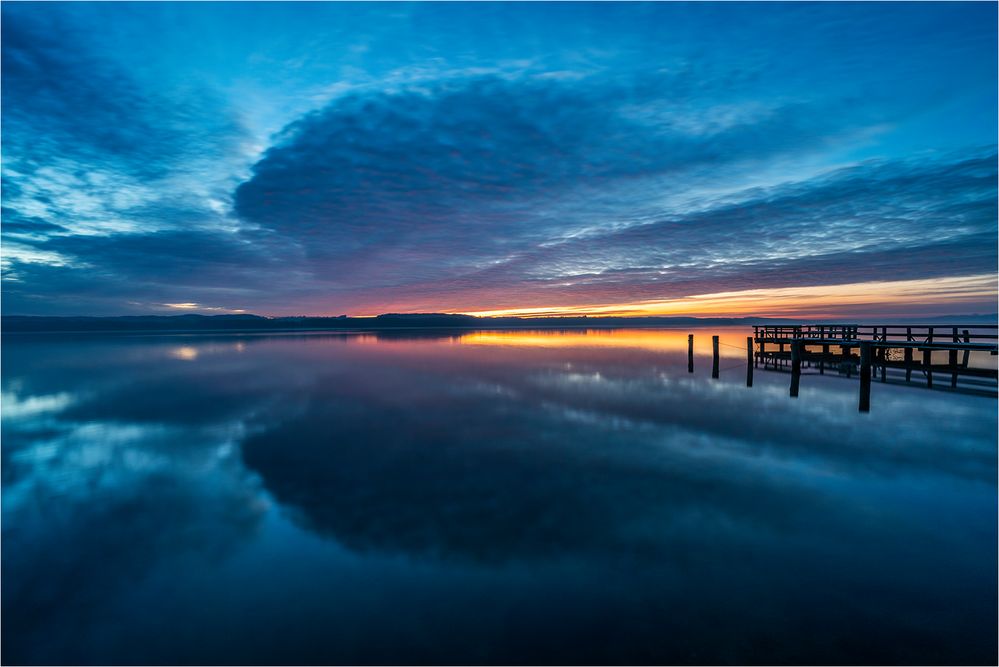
(825, 351)
(967, 353)
(908, 354)
(795, 366)
(928, 361)
(749, 362)
(952, 361)
(690, 353)
(714, 355)
(884, 355)
(865, 376)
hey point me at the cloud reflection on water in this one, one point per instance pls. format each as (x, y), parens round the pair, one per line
(588, 461)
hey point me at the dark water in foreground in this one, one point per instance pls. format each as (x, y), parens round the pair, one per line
(488, 497)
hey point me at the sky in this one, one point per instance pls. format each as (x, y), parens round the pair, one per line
(786, 159)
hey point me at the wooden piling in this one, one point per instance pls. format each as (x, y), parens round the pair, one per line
(749, 362)
(928, 360)
(714, 355)
(908, 355)
(865, 376)
(952, 361)
(690, 353)
(967, 353)
(796, 347)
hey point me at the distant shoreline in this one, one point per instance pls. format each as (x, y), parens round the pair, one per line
(192, 324)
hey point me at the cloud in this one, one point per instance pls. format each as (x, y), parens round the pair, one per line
(143, 272)
(105, 181)
(503, 191)
(488, 182)
(63, 99)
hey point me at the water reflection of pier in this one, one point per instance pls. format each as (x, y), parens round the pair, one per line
(869, 350)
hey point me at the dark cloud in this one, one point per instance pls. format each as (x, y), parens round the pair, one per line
(480, 161)
(26, 226)
(456, 191)
(882, 220)
(63, 101)
(136, 272)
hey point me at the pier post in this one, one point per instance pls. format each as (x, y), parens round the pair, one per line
(928, 361)
(967, 353)
(865, 376)
(714, 355)
(690, 353)
(795, 366)
(908, 354)
(749, 362)
(952, 361)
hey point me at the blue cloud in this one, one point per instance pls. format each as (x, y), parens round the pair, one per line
(459, 157)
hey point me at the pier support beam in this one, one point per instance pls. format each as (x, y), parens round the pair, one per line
(928, 360)
(690, 353)
(749, 362)
(865, 376)
(714, 357)
(796, 348)
(952, 361)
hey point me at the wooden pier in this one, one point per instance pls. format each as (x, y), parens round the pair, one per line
(872, 350)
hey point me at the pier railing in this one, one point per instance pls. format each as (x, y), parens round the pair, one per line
(968, 333)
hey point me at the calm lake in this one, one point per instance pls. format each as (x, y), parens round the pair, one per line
(486, 497)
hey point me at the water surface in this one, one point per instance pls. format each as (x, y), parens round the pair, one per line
(487, 497)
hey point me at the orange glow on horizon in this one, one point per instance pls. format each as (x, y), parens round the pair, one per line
(816, 301)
